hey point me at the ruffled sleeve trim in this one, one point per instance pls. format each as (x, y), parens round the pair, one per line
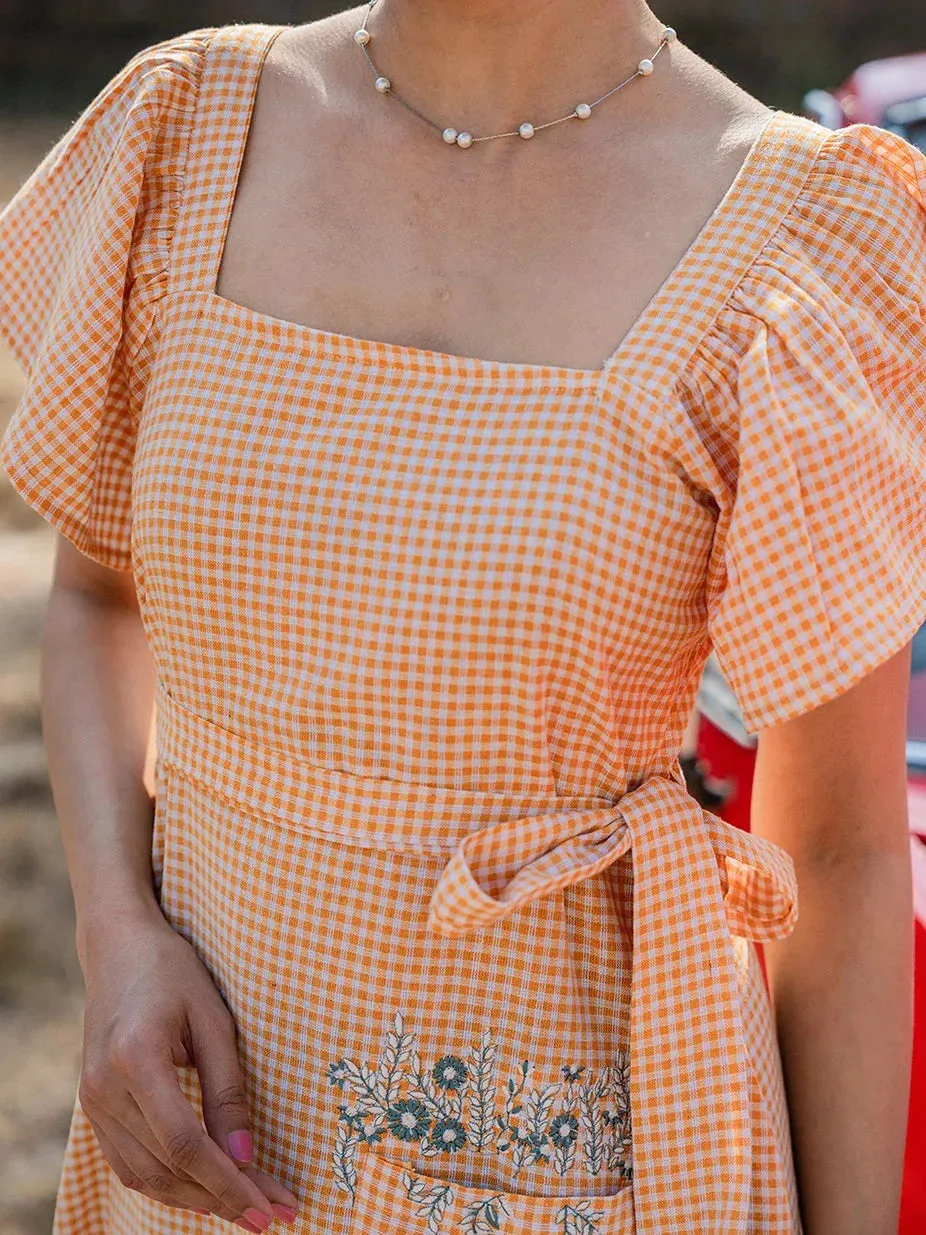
(803, 415)
(84, 262)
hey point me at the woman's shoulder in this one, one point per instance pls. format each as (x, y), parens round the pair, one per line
(170, 68)
(93, 220)
(862, 210)
(844, 268)
(180, 52)
(85, 253)
(858, 220)
(146, 103)
(803, 415)
(871, 159)
(174, 67)
(813, 365)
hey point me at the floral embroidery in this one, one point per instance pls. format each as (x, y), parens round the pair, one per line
(564, 1129)
(450, 1072)
(409, 1120)
(460, 1102)
(484, 1217)
(431, 1199)
(449, 1134)
(579, 1219)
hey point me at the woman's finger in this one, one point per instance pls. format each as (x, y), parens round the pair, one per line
(128, 1116)
(284, 1203)
(213, 1045)
(187, 1146)
(140, 1171)
(122, 1117)
(133, 1124)
(225, 1104)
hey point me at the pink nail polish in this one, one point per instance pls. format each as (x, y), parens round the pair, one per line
(261, 1221)
(240, 1147)
(285, 1213)
(248, 1226)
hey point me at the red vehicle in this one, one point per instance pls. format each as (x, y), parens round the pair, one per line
(722, 770)
(890, 93)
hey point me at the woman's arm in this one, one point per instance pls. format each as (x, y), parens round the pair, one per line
(830, 788)
(97, 697)
(151, 1004)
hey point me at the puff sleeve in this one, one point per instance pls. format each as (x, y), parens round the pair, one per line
(84, 260)
(807, 399)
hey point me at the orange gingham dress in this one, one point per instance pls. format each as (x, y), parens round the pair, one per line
(428, 629)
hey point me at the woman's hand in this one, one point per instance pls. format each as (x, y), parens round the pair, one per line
(152, 1007)
(151, 1004)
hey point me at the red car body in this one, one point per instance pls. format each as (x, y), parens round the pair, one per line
(890, 93)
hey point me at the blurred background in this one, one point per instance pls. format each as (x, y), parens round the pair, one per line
(54, 56)
(59, 51)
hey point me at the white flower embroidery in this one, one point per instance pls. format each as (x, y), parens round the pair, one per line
(459, 1102)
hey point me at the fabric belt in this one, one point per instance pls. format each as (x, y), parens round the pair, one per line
(698, 881)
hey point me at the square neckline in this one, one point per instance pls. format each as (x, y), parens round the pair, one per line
(362, 350)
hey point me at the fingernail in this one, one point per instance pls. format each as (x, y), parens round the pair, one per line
(201, 1211)
(261, 1221)
(240, 1147)
(284, 1212)
(248, 1226)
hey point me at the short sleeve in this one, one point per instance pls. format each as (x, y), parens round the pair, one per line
(84, 261)
(807, 401)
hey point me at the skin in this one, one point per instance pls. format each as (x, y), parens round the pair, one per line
(352, 216)
(830, 787)
(151, 1004)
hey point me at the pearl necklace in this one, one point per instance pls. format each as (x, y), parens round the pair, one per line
(452, 137)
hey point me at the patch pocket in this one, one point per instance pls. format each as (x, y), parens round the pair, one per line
(392, 1199)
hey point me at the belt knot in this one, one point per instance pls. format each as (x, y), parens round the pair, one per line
(697, 1122)
(498, 869)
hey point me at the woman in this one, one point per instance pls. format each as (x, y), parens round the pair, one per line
(412, 477)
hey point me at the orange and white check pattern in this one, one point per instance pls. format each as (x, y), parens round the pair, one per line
(428, 629)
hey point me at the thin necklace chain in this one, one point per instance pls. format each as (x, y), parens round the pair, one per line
(463, 139)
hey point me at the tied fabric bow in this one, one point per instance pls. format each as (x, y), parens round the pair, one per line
(697, 882)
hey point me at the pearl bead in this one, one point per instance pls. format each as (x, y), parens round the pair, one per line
(526, 130)
(361, 36)
(669, 35)
(464, 139)
(450, 136)
(583, 111)
(383, 84)
(645, 67)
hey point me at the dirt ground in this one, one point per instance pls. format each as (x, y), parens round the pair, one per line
(40, 981)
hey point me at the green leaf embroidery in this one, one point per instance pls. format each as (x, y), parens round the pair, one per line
(484, 1216)
(579, 1219)
(431, 1200)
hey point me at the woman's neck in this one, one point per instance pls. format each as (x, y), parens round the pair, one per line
(483, 63)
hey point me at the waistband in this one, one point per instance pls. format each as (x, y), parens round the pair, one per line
(697, 882)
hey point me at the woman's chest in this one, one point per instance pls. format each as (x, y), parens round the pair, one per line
(279, 466)
(547, 252)
(423, 269)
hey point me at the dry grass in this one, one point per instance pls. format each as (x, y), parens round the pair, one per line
(40, 984)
